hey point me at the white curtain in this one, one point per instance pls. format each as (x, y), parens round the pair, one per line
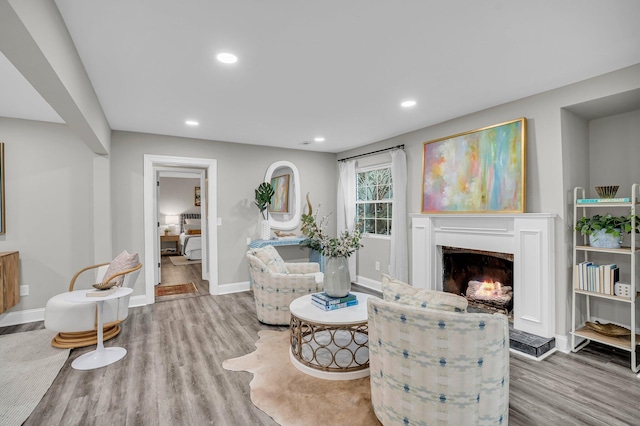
(346, 216)
(399, 258)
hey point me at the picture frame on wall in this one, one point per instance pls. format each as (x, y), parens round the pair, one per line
(479, 171)
(280, 203)
(2, 206)
(197, 196)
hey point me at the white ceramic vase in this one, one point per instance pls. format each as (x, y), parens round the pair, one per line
(265, 230)
(603, 240)
(337, 281)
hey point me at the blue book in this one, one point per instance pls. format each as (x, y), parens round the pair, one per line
(602, 200)
(328, 300)
(335, 306)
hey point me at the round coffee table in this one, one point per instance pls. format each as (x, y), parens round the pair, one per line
(101, 356)
(332, 345)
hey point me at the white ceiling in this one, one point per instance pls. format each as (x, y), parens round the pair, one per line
(331, 68)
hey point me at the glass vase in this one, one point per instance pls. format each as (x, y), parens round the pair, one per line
(337, 282)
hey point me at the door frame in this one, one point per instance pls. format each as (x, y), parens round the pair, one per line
(152, 165)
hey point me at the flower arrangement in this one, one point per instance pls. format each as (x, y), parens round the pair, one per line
(343, 246)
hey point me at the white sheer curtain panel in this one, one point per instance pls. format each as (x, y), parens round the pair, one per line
(399, 258)
(347, 204)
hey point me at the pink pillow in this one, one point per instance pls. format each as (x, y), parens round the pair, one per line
(122, 262)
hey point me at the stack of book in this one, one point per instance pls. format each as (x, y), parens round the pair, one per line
(328, 303)
(596, 278)
(602, 200)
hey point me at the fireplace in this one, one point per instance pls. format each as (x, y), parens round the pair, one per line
(527, 237)
(484, 278)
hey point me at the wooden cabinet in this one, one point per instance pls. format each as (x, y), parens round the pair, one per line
(9, 280)
(581, 252)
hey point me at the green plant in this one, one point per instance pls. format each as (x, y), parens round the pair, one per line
(615, 225)
(264, 193)
(317, 239)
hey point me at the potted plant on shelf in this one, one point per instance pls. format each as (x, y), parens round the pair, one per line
(264, 192)
(337, 281)
(607, 231)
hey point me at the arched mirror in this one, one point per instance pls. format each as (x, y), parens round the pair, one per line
(284, 211)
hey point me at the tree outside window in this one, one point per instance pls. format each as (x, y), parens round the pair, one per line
(374, 201)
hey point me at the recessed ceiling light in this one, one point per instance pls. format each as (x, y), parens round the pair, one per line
(319, 139)
(191, 123)
(408, 104)
(227, 58)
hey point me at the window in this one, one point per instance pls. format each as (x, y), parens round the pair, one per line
(374, 200)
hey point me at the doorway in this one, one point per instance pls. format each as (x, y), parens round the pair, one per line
(154, 165)
(180, 212)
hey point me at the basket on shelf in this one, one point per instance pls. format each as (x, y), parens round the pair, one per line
(612, 330)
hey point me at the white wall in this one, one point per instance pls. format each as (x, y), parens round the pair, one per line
(176, 196)
(613, 152)
(49, 199)
(548, 169)
(241, 169)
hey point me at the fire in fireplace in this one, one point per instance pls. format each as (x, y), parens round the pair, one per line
(484, 278)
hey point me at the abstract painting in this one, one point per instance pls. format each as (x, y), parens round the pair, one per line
(280, 203)
(480, 171)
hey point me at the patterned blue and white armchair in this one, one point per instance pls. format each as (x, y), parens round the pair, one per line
(276, 283)
(431, 362)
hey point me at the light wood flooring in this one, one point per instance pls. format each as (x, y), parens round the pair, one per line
(171, 274)
(173, 375)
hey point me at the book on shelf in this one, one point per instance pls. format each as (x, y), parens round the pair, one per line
(324, 298)
(102, 293)
(602, 200)
(334, 306)
(596, 278)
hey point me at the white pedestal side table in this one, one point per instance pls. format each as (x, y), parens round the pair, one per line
(331, 345)
(101, 356)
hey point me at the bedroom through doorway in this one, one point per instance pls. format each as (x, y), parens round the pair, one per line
(180, 212)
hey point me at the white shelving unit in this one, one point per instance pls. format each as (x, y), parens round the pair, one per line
(581, 251)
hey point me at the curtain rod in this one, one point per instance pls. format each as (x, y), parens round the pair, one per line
(373, 152)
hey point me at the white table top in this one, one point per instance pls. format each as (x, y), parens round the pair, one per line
(303, 309)
(80, 296)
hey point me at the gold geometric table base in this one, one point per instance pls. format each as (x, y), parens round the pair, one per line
(330, 348)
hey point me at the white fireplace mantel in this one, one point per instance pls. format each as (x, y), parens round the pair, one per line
(528, 236)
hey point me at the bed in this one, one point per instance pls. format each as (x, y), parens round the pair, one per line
(190, 237)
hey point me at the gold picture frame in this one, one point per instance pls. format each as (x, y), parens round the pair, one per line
(479, 171)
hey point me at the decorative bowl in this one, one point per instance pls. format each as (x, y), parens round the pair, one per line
(607, 191)
(104, 286)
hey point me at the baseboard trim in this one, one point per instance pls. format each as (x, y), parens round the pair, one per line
(563, 343)
(22, 317)
(369, 283)
(136, 301)
(234, 287)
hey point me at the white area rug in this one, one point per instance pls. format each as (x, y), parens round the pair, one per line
(28, 366)
(182, 260)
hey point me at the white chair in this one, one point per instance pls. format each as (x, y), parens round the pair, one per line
(276, 283)
(76, 322)
(433, 363)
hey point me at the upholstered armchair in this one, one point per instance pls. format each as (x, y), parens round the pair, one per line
(76, 322)
(434, 363)
(276, 284)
